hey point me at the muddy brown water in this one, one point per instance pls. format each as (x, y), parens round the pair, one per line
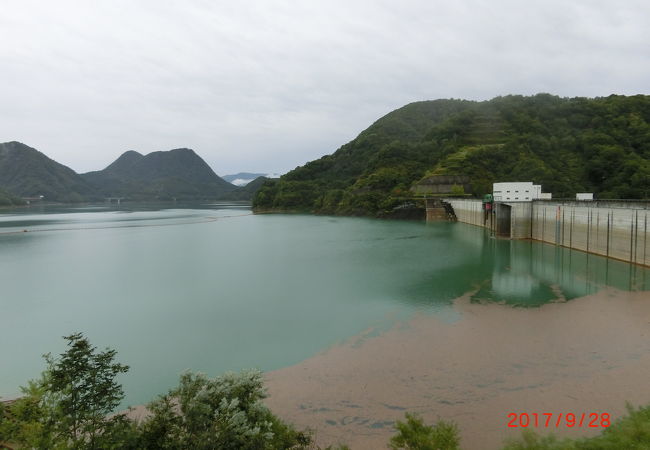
(589, 355)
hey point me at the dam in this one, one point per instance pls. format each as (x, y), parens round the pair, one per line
(613, 228)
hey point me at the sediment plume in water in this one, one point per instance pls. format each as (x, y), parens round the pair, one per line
(590, 354)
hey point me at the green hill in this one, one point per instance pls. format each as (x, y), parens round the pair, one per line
(179, 173)
(26, 172)
(568, 145)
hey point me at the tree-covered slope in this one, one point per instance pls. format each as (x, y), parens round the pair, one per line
(568, 145)
(26, 172)
(9, 199)
(179, 173)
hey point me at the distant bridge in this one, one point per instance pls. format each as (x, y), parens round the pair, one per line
(29, 200)
(118, 200)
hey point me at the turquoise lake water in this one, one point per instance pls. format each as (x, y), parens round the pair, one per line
(214, 288)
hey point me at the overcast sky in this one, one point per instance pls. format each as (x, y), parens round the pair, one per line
(266, 85)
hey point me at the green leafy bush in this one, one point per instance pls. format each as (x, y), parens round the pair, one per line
(69, 405)
(225, 412)
(415, 435)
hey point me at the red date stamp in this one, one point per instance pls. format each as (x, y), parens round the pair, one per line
(557, 420)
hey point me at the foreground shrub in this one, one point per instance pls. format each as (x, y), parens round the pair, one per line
(225, 412)
(415, 435)
(532, 441)
(69, 405)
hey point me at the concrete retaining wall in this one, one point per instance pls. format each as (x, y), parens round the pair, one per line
(521, 220)
(616, 229)
(468, 211)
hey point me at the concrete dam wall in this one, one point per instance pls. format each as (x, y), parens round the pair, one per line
(615, 229)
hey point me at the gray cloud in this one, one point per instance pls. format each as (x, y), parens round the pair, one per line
(266, 85)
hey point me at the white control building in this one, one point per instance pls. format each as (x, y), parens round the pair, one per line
(518, 191)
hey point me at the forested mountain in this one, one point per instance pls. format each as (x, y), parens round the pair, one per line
(26, 172)
(568, 145)
(179, 173)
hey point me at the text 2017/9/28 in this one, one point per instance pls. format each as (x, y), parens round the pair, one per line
(557, 420)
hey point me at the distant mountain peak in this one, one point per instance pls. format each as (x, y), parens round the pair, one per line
(14, 145)
(243, 178)
(131, 153)
(182, 150)
(26, 172)
(125, 161)
(161, 175)
(164, 175)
